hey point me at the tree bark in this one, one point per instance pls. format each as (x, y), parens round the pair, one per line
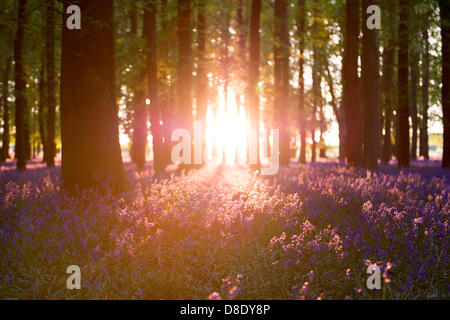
(351, 86)
(403, 87)
(370, 76)
(19, 88)
(281, 99)
(91, 155)
(444, 6)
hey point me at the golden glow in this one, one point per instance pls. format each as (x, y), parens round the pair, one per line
(227, 129)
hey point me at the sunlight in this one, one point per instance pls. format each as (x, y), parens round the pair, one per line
(227, 131)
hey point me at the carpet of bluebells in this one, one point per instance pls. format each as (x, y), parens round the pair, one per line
(223, 232)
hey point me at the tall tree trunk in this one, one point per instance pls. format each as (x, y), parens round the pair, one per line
(151, 32)
(388, 95)
(91, 154)
(414, 82)
(41, 111)
(4, 152)
(301, 22)
(51, 98)
(425, 89)
(444, 6)
(351, 86)
(184, 84)
(403, 87)
(337, 111)
(370, 76)
(202, 80)
(19, 88)
(139, 122)
(315, 82)
(281, 57)
(253, 76)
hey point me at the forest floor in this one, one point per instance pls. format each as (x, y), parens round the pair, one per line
(309, 232)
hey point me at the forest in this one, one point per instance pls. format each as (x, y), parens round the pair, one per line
(240, 149)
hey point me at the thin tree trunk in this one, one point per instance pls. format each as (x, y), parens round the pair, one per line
(444, 6)
(281, 57)
(315, 83)
(41, 111)
(184, 85)
(4, 152)
(388, 84)
(19, 88)
(202, 80)
(91, 154)
(301, 21)
(351, 86)
(370, 74)
(403, 87)
(414, 82)
(425, 94)
(253, 75)
(51, 97)
(150, 23)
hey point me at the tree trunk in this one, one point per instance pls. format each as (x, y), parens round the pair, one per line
(301, 21)
(403, 87)
(351, 86)
(370, 74)
(444, 6)
(414, 63)
(388, 95)
(91, 154)
(281, 57)
(253, 76)
(41, 112)
(425, 94)
(4, 152)
(315, 83)
(150, 33)
(184, 85)
(51, 98)
(202, 80)
(19, 88)
(139, 123)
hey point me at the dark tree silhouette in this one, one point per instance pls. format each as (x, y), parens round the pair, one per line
(370, 76)
(202, 80)
(414, 83)
(388, 95)
(351, 87)
(253, 74)
(51, 97)
(139, 122)
(184, 85)
(281, 58)
(444, 6)
(423, 146)
(301, 22)
(403, 85)
(19, 88)
(91, 153)
(150, 34)
(4, 151)
(41, 108)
